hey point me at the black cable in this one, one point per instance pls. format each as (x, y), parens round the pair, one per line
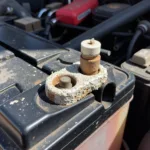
(106, 27)
(132, 43)
(123, 34)
(127, 34)
(81, 28)
(142, 28)
(18, 9)
(47, 32)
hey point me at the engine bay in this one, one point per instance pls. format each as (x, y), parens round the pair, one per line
(39, 38)
(51, 21)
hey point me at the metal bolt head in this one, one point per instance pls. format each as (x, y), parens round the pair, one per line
(65, 82)
(92, 41)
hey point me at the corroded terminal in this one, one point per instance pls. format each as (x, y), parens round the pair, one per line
(73, 83)
(81, 84)
(90, 57)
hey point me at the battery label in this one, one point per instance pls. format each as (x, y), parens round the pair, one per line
(84, 14)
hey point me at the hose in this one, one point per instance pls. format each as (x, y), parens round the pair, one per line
(3, 7)
(17, 8)
(126, 34)
(106, 27)
(142, 28)
(123, 34)
(81, 28)
(132, 43)
(42, 11)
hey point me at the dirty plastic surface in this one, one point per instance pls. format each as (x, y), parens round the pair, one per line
(139, 111)
(16, 76)
(26, 114)
(20, 111)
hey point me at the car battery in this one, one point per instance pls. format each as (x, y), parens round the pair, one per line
(27, 46)
(138, 122)
(31, 121)
(76, 12)
(41, 53)
(16, 76)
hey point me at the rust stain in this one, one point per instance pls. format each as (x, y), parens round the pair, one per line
(37, 82)
(5, 75)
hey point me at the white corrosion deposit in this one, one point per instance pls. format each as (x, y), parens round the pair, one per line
(82, 84)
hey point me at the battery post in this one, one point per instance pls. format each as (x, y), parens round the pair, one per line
(75, 82)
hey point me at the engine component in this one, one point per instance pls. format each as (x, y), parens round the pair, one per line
(9, 6)
(81, 84)
(35, 6)
(142, 28)
(89, 106)
(109, 25)
(76, 12)
(136, 36)
(90, 58)
(27, 7)
(139, 113)
(54, 5)
(28, 46)
(51, 8)
(142, 58)
(42, 11)
(28, 24)
(31, 113)
(106, 11)
(3, 7)
(17, 8)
